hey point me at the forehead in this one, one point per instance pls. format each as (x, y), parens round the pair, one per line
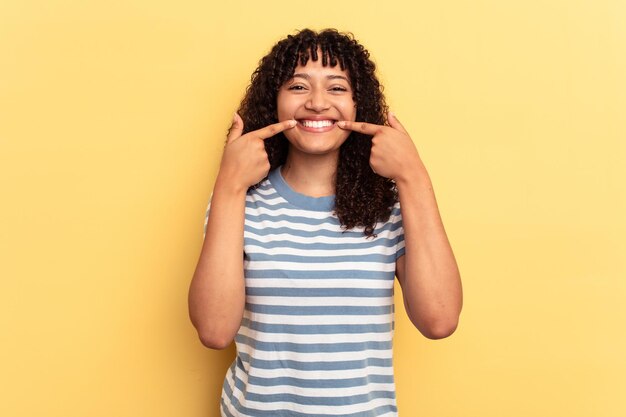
(316, 69)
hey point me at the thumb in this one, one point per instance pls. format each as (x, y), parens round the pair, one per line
(395, 123)
(235, 129)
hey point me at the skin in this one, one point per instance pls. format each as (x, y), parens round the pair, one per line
(217, 292)
(428, 273)
(315, 93)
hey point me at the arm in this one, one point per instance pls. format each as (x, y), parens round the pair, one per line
(217, 290)
(217, 293)
(427, 273)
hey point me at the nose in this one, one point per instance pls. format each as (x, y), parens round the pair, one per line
(317, 101)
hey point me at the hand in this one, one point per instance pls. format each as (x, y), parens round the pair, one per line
(394, 154)
(245, 162)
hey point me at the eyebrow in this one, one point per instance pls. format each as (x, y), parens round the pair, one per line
(329, 77)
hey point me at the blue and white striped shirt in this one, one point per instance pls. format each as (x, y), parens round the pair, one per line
(316, 334)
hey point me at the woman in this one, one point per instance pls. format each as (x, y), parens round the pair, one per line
(321, 198)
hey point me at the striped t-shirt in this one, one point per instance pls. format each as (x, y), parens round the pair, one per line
(317, 329)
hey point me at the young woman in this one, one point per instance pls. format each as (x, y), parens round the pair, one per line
(321, 199)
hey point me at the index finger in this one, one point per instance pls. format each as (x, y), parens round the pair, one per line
(361, 127)
(271, 130)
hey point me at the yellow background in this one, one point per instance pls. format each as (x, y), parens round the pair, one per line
(112, 120)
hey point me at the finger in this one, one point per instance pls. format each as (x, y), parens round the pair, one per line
(271, 130)
(395, 123)
(235, 129)
(361, 127)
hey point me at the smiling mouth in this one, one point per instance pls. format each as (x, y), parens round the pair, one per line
(317, 124)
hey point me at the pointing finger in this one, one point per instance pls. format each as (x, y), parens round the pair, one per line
(271, 130)
(395, 123)
(235, 129)
(361, 127)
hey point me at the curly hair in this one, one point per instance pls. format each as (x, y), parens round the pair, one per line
(362, 198)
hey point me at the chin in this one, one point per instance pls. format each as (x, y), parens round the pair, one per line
(318, 149)
(317, 146)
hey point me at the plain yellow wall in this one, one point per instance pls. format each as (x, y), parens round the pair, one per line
(112, 120)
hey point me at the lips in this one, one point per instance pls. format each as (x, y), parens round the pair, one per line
(317, 125)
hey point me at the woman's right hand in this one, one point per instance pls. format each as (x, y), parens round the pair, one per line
(217, 293)
(245, 162)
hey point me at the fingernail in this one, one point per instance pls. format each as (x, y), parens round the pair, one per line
(341, 124)
(292, 123)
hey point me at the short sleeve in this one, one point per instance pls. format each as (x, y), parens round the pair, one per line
(396, 219)
(206, 218)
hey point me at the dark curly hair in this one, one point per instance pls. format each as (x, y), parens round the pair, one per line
(362, 198)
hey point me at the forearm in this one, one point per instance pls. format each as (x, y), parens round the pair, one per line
(431, 284)
(217, 291)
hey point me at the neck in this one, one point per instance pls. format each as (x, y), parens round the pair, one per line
(312, 175)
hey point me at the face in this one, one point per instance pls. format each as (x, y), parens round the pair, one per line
(317, 97)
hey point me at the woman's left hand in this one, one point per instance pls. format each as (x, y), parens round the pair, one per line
(394, 154)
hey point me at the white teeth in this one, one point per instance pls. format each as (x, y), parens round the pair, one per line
(317, 123)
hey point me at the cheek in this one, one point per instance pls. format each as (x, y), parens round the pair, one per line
(348, 109)
(283, 106)
(281, 115)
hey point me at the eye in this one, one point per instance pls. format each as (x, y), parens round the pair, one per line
(338, 89)
(296, 87)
